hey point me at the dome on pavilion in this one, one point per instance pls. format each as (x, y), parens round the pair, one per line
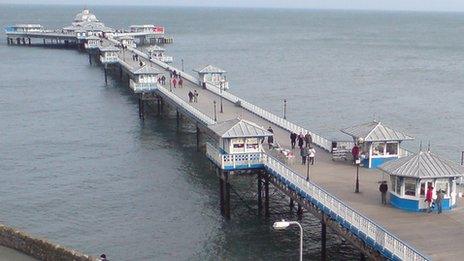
(85, 16)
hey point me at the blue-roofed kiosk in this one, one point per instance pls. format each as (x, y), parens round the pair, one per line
(412, 176)
(378, 143)
(239, 145)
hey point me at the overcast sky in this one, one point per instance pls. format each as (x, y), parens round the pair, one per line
(417, 5)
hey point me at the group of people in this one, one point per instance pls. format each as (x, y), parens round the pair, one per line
(135, 57)
(193, 96)
(162, 80)
(431, 203)
(307, 151)
(176, 79)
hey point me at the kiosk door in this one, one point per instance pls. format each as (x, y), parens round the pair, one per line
(424, 184)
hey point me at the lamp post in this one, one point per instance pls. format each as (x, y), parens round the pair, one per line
(221, 85)
(215, 116)
(357, 176)
(307, 170)
(281, 225)
(182, 64)
(285, 108)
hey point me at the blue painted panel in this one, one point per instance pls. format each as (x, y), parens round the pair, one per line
(243, 167)
(406, 204)
(376, 162)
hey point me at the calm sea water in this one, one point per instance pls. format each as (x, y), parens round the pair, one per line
(79, 168)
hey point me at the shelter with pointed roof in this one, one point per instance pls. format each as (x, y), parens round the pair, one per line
(412, 176)
(145, 79)
(157, 52)
(109, 54)
(240, 136)
(213, 75)
(378, 143)
(92, 42)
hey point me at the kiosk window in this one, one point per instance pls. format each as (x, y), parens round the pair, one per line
(378, 148)
(410, 187)
(442, 185)
(392, 148)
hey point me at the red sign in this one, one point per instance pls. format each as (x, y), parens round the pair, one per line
(158, 30)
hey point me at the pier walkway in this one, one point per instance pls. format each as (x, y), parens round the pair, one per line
(440, 237)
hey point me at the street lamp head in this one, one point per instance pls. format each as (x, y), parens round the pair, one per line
(280, 225)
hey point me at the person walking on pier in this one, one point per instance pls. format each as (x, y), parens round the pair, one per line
(383, 190)
(428, 198)
(304, 154)
(311, 154)
(180, 82)
(308, 139)
(174, 82)
(355, 153)
(439, 201)
(163, 80)
(293, 139)
(190, 94)
(270, 139)
(195, 96)
(300, 140)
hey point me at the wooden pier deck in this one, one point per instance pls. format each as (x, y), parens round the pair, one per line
(439, 236)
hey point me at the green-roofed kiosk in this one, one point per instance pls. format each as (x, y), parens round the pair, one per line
(378, 143)
(412, 176)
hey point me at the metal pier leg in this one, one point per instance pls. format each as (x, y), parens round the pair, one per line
(106, 74)
(266, 197)
(44, 41)
(300, 210)
(29, 39)
(177, 117)
(90, 59)
(140, 108)
(221, 191)
(362, 257)
(198, 138)
(120, 72)
(292, 204)
(260, 200)
(227, 195)
(159, 105)
(323, 240)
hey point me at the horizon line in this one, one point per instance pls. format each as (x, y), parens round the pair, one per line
(239, 7)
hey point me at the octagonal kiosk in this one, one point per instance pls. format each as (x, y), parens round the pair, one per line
(145, 79)
(109, 54)
(92, 42)
(239, 145)
(127, 40)
(213, 75)
(156, 52)
(412, 176)
(378, 143)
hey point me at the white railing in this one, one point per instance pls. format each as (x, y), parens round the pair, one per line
(139, 87)
(111, 59)
(187, 108)
(232, 161)
(335, 207)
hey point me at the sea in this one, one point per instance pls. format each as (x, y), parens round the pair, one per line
(78, 167)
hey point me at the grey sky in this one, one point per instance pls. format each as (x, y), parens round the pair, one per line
(417, 5)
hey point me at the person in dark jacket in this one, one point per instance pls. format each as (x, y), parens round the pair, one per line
(293, 137)
(300, 140)
(383, 190)
(270, 139)
(308, 139)
(439, 200)
(355, 153)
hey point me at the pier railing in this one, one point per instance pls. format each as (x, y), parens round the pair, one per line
(366, 229)
(139, 87)
(234, 161)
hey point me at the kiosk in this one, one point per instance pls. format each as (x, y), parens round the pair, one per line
(213, 75)
(412, 176)
(378, 143)
(157, 52)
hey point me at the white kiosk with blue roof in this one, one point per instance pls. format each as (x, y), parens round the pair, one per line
(378, 143)
(412, 176)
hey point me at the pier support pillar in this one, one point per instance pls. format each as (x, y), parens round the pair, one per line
(24, 41)
(300, 210)
(105, 70)
(29, 41)
(266, 197)
(221, 191)
(141, 109)
(260, 200)
(226, 195)
(18, 41)
(177, 117)
(198, 138)
(158, 101)
(362, 257)
(90, 59)
(291, 205)
(323, 239)
(44, 41)
(120, 72)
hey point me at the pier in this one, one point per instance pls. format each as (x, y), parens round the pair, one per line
(324, 190)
